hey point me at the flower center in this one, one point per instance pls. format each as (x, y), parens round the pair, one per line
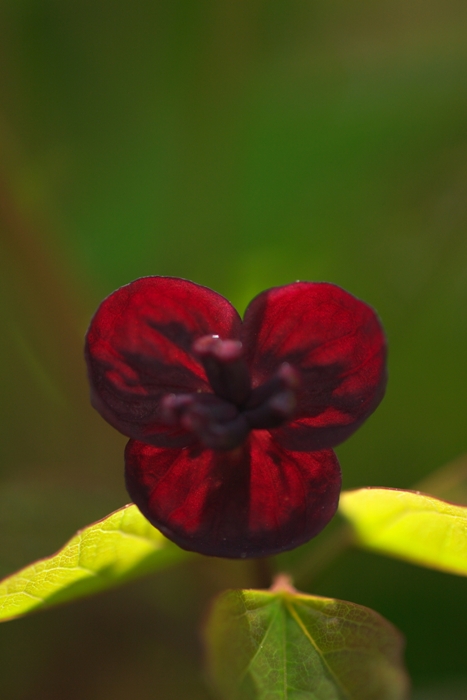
(223, 419)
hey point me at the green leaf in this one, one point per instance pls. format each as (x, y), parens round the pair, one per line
(120, 547)
(409, 525)
(284, 645)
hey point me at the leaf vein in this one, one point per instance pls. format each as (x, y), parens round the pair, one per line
(308, 636)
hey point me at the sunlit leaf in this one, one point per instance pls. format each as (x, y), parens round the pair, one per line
(409, 525)
(284, 645)
(120, 547)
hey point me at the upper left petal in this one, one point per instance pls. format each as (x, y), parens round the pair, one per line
(139, 347)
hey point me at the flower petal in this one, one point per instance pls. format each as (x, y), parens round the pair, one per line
(139, 347)
(337, 344)
(254, 501)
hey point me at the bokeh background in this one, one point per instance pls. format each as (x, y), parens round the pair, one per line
(241, 144)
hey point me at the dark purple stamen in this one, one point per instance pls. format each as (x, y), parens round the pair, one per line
(273, 402)
(222, 421)
(225, 367)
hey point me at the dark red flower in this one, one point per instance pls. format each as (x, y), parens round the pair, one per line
(231, 423)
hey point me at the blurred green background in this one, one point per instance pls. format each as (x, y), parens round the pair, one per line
(240, 144)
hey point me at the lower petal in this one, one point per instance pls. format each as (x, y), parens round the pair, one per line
(257, 500)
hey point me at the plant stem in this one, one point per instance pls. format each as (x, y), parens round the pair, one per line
(263, 572)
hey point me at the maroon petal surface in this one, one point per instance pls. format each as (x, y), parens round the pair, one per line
(335, 342)
(257, 500)
(139, 347)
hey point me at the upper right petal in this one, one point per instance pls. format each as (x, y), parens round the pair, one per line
(139, 348)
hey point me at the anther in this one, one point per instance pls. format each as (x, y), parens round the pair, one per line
(173, 406)
(286, 378)
(274, 402)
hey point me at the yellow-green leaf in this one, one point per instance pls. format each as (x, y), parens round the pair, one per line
(409, 525)
(284, 645)
(120, 547)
